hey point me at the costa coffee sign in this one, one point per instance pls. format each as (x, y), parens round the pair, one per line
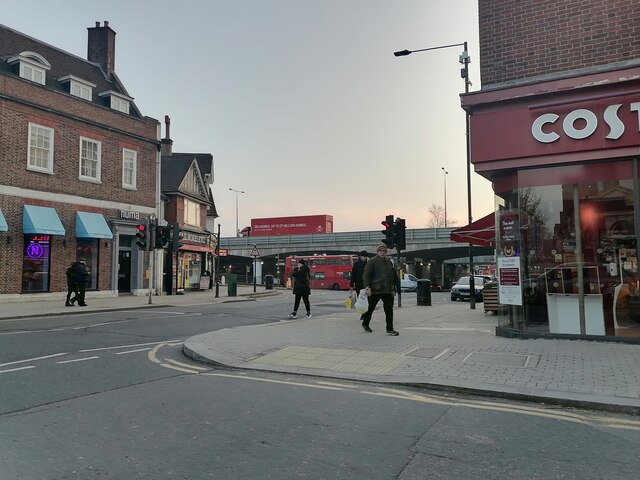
(581, 123)
(537, 129)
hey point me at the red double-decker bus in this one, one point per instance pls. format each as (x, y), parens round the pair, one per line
(327, 271)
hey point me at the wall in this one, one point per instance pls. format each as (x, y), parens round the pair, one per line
(520, 39)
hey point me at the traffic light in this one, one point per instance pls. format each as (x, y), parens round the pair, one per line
(388, 232)
(141, 236)
(175, 237)
(162, 237)
(400, 234)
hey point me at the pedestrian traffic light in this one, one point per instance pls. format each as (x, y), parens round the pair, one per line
(162, 236)
(388, 231)
(141, 235)
(400, 234)
(176, 243)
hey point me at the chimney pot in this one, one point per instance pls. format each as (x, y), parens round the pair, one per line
(97, 24)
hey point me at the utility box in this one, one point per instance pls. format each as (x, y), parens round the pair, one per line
(232, 285)
(424, 292)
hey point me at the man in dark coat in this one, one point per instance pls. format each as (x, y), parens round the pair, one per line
(301, 288)
(381, 282)
(357, 270)
(71, 287)
(356, 274)
(80, 278)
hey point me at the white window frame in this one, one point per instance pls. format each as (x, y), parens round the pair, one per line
(191, 210)
(98, 160)
(78, 87)
(117, 101)
(119, 104)
(33, 67)
(133, 157)
(49, 151)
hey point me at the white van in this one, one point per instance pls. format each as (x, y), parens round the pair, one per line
(408, 283)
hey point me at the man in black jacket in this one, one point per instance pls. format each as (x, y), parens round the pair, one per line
(356, 273)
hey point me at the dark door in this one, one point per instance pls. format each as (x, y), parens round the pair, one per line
(124, 271)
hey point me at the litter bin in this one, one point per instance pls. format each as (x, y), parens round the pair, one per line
(424, 292)
(268, 282)
(232, 285)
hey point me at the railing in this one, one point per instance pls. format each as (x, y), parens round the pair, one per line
(412, 235)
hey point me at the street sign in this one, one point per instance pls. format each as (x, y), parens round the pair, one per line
(255, 252)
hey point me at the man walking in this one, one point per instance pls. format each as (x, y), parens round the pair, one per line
(381, 282)
(356, 274)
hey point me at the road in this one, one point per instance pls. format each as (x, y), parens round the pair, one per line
(111, 396)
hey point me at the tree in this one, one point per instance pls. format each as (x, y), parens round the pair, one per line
(435, 218)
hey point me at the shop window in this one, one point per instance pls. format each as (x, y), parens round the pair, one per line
(36, 263)
(566, 232)
(87, 250)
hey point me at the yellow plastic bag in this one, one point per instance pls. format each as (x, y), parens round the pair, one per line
(347, 303)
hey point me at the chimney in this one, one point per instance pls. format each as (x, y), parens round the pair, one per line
(166, 143)
(101, 47)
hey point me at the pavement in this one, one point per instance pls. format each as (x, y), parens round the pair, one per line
(444, 347)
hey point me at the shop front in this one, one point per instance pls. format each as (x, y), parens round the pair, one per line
(190, 268)
(563, 159)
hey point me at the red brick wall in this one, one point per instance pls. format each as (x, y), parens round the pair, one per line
(528, 38)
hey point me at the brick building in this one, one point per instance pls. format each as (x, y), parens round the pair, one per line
(78, 165)
(186, 189)
(556, 128)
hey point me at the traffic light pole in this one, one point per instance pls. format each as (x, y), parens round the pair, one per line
(216, 262)
(397, 265)
(152, 262)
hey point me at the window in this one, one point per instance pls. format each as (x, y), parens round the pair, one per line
(90, 153)
(36, 263)
(78, 87)
(87, 250)
(191, 212)
(129, 166)
(117, 101)
(32, 73)
(32, 66)
(119, 104)
(40, 156)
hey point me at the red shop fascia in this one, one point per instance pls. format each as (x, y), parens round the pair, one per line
(551, 125)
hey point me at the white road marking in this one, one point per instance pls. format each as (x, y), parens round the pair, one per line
(16, 369)
(180, 364)
(128, 346)
(33, 359)
(94, 325)
(21, 332)
(78, 360)
(133, 351)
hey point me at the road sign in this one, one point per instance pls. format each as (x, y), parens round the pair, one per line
(255, 252)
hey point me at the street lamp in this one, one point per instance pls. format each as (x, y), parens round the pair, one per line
(237, 192)
(445, 196)
(464, 73)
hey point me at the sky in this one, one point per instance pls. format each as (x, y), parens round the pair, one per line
(302, 103)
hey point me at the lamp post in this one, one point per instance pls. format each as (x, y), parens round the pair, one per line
(445, 196)
(237, 192)
(464, 73)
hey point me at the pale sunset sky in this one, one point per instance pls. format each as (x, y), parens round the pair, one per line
(301, 102)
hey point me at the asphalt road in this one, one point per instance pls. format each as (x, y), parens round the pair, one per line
(111, 396)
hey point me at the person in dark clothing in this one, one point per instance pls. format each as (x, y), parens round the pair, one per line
(357, 270)
(356, 274)
(301, 289)
(381, 282)
(71, 287)
(80, 278)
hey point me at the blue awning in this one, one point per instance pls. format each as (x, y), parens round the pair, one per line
(43, 220)
(92, 225)
(3, 223)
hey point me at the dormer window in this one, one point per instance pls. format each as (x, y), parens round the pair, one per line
(117, 101)
(78, 87)
(31, 66)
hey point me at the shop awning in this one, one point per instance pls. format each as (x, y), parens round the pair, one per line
(481, 232)
(195, 248)
(92, 225)
(42, 220)
(3, 223)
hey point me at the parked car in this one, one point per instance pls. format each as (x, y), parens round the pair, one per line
(461, 288)
(408, 283)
